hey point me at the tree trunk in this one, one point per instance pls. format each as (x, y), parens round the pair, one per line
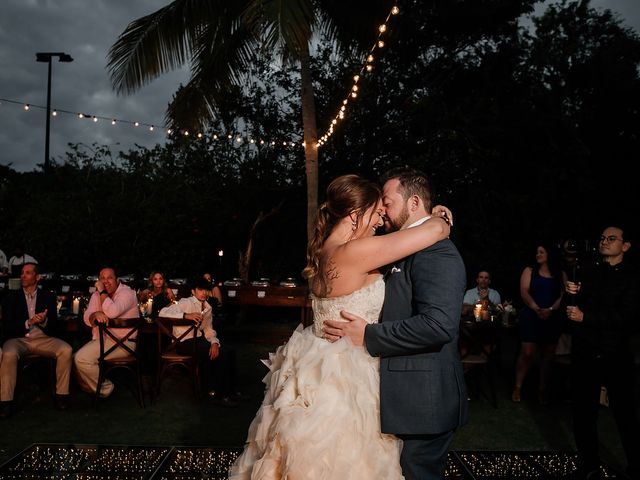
(244, 258)
(310, 139)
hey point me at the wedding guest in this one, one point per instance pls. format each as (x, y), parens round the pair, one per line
(540, 322)
(112, 299)
(219, 362)
(480, 293)
(158, 290)
(215, 294)
(30, 322)
(603, 318)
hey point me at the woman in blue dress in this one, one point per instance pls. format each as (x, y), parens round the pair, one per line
(540, 321)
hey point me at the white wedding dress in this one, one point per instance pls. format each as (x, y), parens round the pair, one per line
(320, 417)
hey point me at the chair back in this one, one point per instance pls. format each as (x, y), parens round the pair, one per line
(130, 360)
(167, 340)
(132, 324)
(168, 356)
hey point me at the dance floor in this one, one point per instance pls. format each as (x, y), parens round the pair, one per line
(117, 462)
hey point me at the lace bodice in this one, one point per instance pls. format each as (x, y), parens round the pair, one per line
(366, 303)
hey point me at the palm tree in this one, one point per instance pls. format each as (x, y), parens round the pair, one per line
(221, 40)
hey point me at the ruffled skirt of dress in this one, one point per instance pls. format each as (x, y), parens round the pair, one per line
(320, 417)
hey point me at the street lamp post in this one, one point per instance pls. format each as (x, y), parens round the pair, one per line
(46, 57)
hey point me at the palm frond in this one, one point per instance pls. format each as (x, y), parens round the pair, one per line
(163, 40)
(282, 23)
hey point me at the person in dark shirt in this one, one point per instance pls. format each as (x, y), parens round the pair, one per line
(30, 323)
(602, 315)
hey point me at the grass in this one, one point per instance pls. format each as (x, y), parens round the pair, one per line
(176, 418)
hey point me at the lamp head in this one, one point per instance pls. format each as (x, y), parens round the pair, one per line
(47, 56)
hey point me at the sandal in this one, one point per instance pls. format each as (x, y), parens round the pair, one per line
(515, 395)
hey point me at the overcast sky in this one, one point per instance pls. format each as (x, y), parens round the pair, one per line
(86, 29)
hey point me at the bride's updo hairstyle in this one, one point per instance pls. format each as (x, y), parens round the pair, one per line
(345, 194)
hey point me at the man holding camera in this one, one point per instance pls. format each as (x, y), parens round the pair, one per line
(603, 318)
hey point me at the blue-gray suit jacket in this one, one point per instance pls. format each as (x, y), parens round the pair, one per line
(422, 386)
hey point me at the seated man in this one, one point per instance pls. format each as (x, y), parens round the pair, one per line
(112, 299)
(480, 293)
(30, 320)
(219, 362)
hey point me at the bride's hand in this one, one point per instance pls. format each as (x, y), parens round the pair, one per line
(444, 212)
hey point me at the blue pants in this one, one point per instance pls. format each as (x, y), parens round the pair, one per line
(424, 457)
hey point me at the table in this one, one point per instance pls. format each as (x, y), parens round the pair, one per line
(295, 297)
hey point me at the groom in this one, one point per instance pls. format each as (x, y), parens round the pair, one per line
(423, 397)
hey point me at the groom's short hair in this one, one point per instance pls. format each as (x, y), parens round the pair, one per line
(413, 182)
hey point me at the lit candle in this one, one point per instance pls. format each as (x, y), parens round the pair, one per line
(477, 311)
(76, 306)
(149, 305)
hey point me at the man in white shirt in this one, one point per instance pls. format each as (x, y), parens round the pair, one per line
(479, 293)
(219, 362)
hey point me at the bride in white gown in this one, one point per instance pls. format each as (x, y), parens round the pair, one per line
(320, 417)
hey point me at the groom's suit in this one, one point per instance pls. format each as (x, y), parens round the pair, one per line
(423, 396)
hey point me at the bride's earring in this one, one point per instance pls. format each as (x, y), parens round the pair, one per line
(353, 225)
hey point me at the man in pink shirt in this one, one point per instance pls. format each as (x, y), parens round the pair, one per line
(112, 299)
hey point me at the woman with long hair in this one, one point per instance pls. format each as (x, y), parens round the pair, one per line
(540, 321)
(158, 290)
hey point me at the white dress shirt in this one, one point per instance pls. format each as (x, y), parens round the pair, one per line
(192, 305)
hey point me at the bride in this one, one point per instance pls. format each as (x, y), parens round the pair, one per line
(320, 417)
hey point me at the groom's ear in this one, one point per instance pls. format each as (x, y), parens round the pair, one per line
(413, 203)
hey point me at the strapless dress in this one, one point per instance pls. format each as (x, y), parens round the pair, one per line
(320, 417)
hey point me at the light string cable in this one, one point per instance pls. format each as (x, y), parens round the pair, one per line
(235, 138)
(367, 67)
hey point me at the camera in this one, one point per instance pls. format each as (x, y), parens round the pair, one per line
(576, 254)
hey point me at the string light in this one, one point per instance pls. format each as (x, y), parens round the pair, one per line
(367, 67)
(239, 139)
(235, 139)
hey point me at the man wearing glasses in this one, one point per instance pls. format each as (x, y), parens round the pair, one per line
(603, 316)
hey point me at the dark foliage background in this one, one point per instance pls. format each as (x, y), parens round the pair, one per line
(528, 134)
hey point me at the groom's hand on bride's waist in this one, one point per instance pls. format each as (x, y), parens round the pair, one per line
(353, 328)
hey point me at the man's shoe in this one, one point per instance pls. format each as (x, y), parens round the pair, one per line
(5, 409)
(61, 402)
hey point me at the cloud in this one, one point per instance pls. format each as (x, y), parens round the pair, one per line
(86, 30)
